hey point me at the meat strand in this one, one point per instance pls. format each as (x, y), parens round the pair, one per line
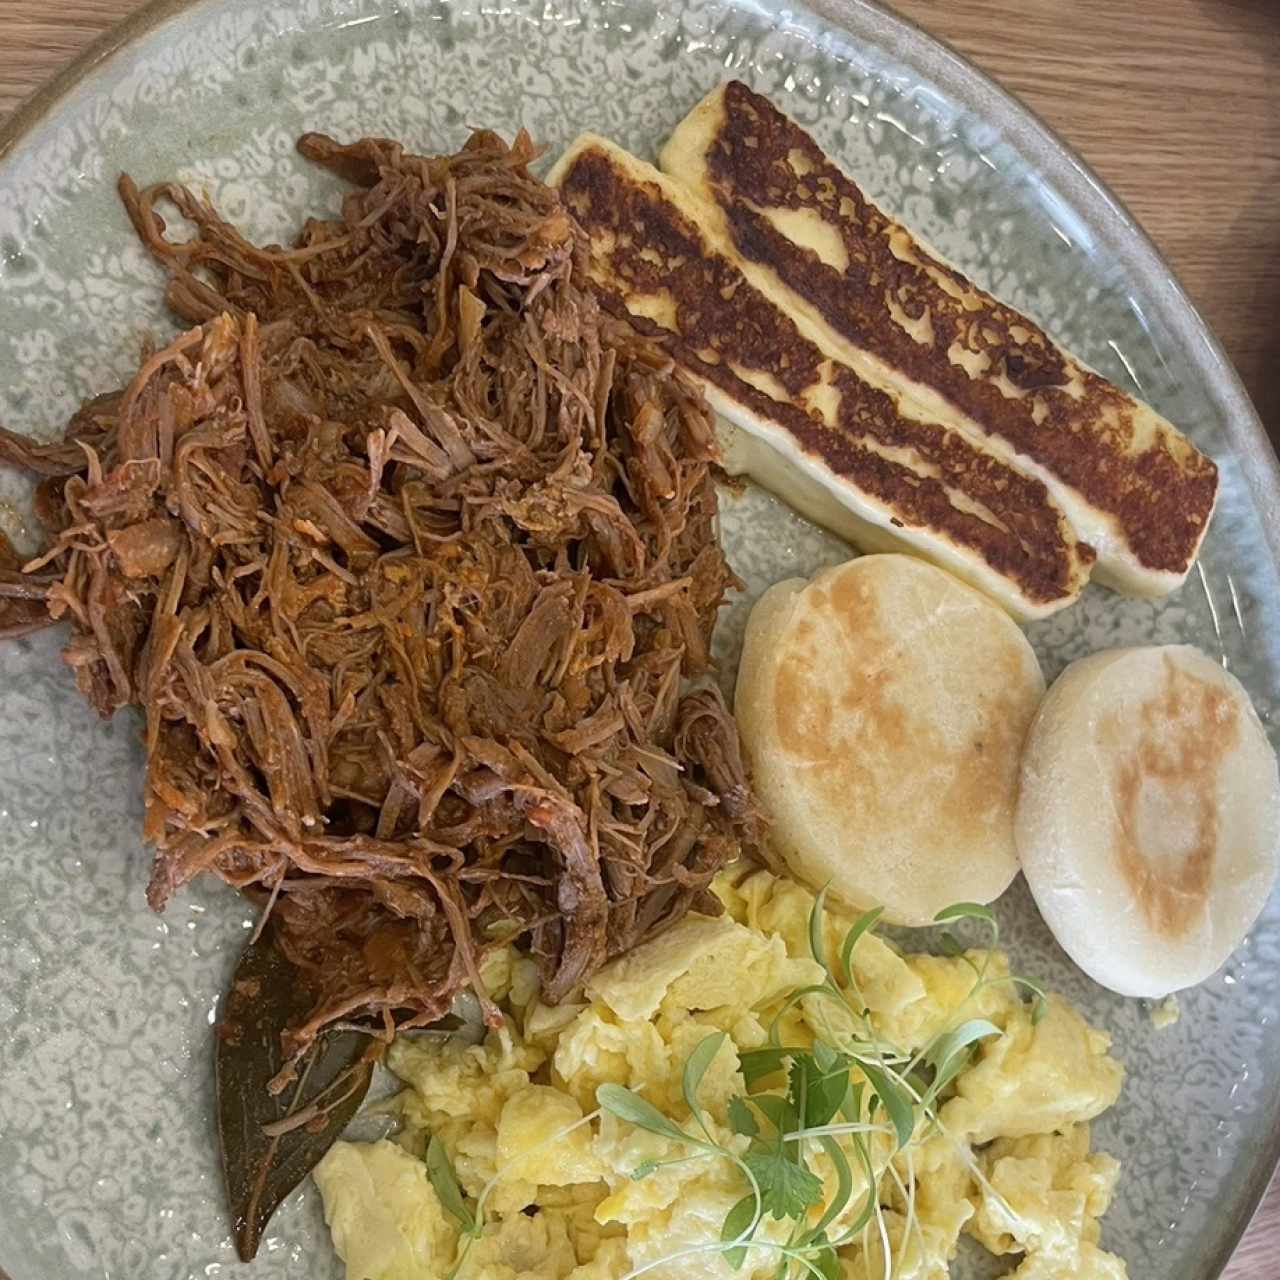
(407, 554)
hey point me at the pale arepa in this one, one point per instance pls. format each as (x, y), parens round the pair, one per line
(1149, 816)
(883, 707)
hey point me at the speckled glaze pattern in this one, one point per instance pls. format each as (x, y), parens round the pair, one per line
(108, 1162)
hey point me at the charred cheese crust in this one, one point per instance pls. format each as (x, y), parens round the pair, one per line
(1134, 487)
(925, 488)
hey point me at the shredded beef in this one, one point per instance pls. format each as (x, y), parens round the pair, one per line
(407, 554)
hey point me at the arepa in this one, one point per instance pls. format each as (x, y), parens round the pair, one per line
(882, 707)
(1148, 822)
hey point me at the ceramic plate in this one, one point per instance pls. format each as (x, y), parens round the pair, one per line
(108, 1163)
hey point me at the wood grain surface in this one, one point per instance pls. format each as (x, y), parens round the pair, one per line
(1175, 103)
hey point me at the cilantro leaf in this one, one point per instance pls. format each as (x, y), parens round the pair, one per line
(742, 1119)
(758, 1063)
(787, 1189)
(817, 1093)
(779, 1111)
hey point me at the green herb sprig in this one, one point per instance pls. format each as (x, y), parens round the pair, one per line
(444, 1181)
(852, 1085)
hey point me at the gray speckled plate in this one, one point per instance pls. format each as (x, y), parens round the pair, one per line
(107, 1151)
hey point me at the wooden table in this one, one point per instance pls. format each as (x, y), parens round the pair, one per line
(1175, 103)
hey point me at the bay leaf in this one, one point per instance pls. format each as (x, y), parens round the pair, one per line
(260, 1168)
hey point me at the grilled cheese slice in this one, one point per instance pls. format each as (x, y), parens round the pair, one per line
(911, 325)
(862, 461)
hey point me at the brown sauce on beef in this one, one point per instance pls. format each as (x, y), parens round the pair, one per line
(406, 553)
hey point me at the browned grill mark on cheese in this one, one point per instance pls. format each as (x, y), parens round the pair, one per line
(640, 238)
(1161, 496)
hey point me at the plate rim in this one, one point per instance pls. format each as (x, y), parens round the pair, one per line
(1054, 158)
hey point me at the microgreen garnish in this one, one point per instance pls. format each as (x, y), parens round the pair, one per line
(892, 1094)
(952, 947)
(849, 1084)
(738, 1224)
(694, 1069)
(857, 929)
(444, 1180)
(628, 1105)
(447, 1188)
(817, 946)
(851, 1097)
(970, 911)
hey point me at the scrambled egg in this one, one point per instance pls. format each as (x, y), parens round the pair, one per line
(1009, 1163)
